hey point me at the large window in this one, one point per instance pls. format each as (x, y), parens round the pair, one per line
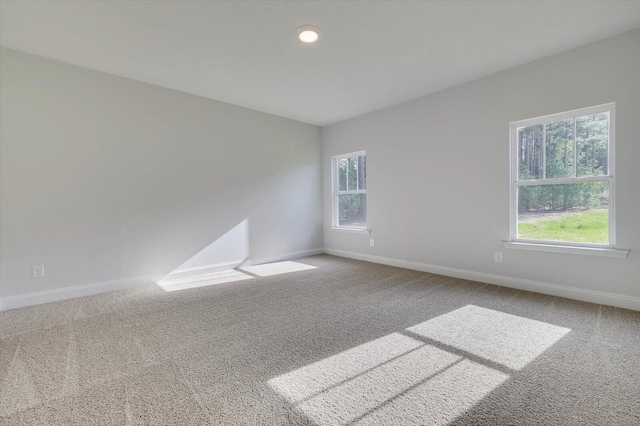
(350, 190)
(562, 189)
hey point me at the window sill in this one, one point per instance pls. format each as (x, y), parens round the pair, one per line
(589, 251)
(363, 231)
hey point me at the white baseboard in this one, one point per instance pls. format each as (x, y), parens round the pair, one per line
(285, 256)
(202, 270)
(37, 298)
(593, 296)
(219, 267)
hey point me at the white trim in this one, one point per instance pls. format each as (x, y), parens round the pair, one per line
(352, 192)
(364, 231)
(556, 181)
(591, 251)
(611, 163)
(284, 256)
(202, 270)
(37, 298)
(560, 244)
(55, 295)
(592, 296)
(597, 109)
(515, 182)
(351, 154)
(335, 187)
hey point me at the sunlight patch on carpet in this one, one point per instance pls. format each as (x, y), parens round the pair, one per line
(401, 379)
(240, 274)
(307, 381)
(276, 268)
(505, 339)
(356, 398)
(441, 399)
(203, 280)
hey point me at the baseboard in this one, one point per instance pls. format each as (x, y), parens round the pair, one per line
(202, 270)
(55, 295)
(600, 297)
(593, 296)
(218, 267)
(285, 256)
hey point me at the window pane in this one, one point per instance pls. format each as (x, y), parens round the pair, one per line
(592, 139)
(352, 210)
(559, 149)
(342, 174)
(576, 212)
(530, 152)
(362, 172)
(353, 174)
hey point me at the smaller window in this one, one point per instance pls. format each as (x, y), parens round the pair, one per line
(350, 190)
(562, 178)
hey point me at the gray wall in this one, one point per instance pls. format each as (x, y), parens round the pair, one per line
(105, 178)
(432, 158)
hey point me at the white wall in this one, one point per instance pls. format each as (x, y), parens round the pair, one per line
(438, 174)
(105, 179)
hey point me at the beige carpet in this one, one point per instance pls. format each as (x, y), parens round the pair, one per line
(320, 341)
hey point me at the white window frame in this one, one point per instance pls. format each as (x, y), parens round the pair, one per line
(335, 192)
(562, 246)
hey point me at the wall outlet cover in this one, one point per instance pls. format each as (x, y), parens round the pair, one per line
(37, 271)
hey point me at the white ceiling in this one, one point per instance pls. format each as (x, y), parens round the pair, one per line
(372, 54)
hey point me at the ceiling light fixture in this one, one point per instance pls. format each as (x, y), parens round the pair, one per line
(308, 33)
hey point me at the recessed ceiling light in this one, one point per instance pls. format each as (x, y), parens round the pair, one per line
(308, 33)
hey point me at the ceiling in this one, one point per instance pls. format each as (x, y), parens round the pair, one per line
(372, 54)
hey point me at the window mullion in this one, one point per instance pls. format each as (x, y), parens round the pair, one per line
(357, 175)
(352, 192)
(347, 176)
(575, 149)
(560, 181)
(336, 207)
(544, 150)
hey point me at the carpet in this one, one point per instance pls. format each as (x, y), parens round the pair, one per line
(320, 341)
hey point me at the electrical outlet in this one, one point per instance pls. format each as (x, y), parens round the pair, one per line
(37, 271)
(372, 242)
(498, 257)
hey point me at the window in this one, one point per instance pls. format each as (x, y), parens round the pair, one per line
(350, 191)
(562, 179)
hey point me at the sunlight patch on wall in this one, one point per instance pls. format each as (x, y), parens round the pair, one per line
(276, 268)
(224, 253)
(203, 280)
(505, 339)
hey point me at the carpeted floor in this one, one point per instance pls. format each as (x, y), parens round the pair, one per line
(320, 341)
